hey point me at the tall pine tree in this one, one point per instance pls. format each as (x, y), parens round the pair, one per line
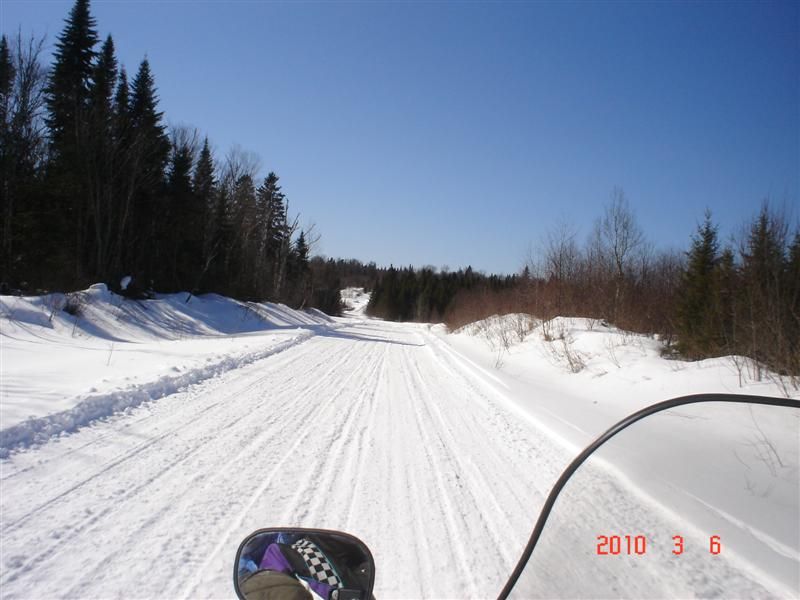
(696, 298)
(6, 81)
(68, 99)
(150, 147)
(148, 130)
(101, 156)
(185, 217)
(68, 91)
(204, 186)
(764, 297)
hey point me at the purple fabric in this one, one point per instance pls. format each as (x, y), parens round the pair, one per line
(323, 589)
(274, 560)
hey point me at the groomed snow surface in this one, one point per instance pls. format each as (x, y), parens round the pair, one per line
(144, 440)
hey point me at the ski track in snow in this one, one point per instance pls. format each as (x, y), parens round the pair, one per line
(379, 429)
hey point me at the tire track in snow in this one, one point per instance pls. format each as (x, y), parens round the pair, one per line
(465, 562)
(302, 413)
(339, 454)
(131, 454)
(131, 418)
(369, 434)
(316, 415)
(365, 444)
(495, 522)
(86, 523)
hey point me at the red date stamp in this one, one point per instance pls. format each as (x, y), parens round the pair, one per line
(632, 545)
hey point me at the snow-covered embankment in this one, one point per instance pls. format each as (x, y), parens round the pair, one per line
(67, 360)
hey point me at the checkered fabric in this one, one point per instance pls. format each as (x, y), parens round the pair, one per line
(319, 566)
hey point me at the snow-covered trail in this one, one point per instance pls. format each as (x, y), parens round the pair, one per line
(378, 429)
(372, 429)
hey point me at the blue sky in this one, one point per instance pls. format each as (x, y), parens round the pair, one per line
(458, 133)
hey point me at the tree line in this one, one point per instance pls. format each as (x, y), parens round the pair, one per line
(425, 295)
(740, 299)
(743, 298)
(96, 187)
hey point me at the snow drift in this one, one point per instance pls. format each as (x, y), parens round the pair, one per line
(70, 359)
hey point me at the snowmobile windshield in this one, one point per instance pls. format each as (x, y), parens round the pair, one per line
(700, 500)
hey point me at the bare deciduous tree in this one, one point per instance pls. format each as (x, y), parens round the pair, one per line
(562, 258)
(23, 130)
(618, 238)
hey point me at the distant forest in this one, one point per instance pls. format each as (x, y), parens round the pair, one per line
(713, 299)
(96, 188)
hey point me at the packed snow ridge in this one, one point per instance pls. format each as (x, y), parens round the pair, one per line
(70, 359)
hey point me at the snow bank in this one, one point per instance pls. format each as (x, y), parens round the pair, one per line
(92, 407)
(619, 367)
(69, 359)
(720, 468)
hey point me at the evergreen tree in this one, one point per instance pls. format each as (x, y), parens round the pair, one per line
(219, 242)
(101, 158)
(300, 274)
(272, 213)
(695, 300)
(242, 255)
(68, 91)
(275, 234)
(104, 78)
(7, 74)
(726, 288)
(203, 181)
(123, 253)
(148, 129)
(301, 252)
(184, 217)
(763, 254)
(150, 148)
(67, 99)
(326, 285)
(179, 180)
(763, 295)
(121, 105)
(204, 186)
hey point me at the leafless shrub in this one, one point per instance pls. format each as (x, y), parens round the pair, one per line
(560, 345)
(764, 449)
(611, 348)
(503, 334)
(573, 357)
(738, 362)
(523, 324)
(788, 384)
(495, 332)
(75, 304)
(499, 358)
(547, 330)
(54, 303)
